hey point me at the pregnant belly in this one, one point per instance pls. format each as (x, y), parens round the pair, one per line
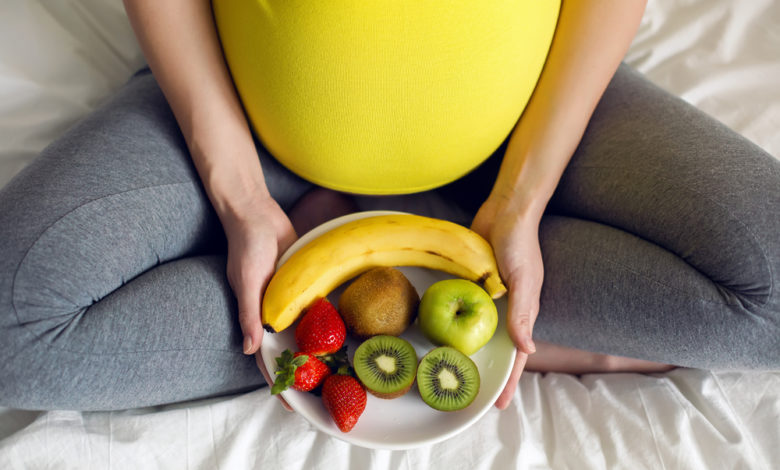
(385, 96)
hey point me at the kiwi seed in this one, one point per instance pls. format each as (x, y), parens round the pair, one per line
(386, 365)
(447, 379)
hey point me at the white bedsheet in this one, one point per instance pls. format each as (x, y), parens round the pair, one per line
(60, 58)
(681, 420)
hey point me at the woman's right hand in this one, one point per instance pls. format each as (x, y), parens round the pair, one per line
(255, 238)
(181, 45)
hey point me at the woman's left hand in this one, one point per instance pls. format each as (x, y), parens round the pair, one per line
(514, 236)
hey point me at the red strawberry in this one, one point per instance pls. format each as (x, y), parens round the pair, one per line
(345, 399)
(300, 371)
(321, 330)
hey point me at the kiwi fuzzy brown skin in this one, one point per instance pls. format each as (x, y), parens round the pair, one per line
(371, 375)
(390, 396)
(399, 393)
(381, 301)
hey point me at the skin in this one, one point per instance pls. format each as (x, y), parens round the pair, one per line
(180, 43)
(181, 46)
(591, 39)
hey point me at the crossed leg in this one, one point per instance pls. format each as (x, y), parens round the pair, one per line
(113, 291)
(660, 243)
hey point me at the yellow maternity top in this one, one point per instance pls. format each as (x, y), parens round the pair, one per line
(384, 96)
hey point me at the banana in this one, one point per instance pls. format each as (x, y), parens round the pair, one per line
(396, 239)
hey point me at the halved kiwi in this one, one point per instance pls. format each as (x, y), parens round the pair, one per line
(448, 380)
(386, 365)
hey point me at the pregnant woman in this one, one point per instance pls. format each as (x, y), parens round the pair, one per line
(634, 233)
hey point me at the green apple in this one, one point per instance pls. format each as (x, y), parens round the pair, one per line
(457, 313)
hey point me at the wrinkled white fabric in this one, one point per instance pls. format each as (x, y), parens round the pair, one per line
(682, 419)
(721, 56)
(59, 59)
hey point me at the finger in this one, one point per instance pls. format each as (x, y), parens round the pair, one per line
(520, 316)
(268, 379)
(249, 294)
(249, 319)
(514, 377)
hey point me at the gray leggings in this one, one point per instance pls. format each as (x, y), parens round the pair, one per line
(660, 243)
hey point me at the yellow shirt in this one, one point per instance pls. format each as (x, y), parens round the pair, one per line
(384, 96)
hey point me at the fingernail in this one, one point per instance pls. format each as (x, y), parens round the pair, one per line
(529, 344)
(247, 344)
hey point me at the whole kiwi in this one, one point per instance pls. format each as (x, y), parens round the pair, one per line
(381, 301)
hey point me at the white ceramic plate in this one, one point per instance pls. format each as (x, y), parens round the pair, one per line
(404, 422)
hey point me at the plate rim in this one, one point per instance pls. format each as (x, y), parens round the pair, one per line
(355, 439)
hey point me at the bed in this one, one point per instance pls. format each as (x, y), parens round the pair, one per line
(60, 58)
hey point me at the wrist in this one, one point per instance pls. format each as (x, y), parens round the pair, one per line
(524, 199)
(530, 171)
(236, 187)
(237, 198)
(229, 167)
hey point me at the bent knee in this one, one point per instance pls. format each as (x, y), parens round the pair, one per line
(18, 367)
(27, 359)
(763, 337)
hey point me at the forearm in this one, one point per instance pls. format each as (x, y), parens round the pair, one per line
(180, 43)
(591, 39)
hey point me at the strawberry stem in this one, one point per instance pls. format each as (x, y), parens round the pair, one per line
(285, 372)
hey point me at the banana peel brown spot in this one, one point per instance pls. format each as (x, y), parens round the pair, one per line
(440, 255)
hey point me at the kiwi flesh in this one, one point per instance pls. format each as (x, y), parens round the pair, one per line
(447, 379)
(386, 365)
(381, 301)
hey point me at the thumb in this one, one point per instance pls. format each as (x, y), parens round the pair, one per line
(249, 319)
(520, 317)
(249, 295)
